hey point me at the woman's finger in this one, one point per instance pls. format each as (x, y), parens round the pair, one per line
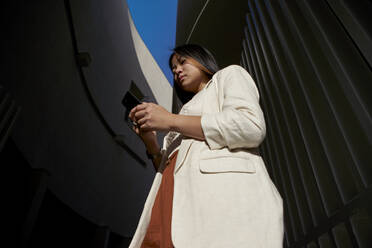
(142, 121)
(135, 129)
(140, 114)
(141, 106)
(132, 112)
(135, 109)
(144, 127)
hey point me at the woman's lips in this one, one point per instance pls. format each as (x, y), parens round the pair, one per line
(182, 77)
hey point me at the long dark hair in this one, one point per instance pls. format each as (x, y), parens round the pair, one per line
(204, 57)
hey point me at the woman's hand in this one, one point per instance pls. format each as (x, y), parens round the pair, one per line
(149, 137)
(140, 115)
(146, 136)
(151, 117)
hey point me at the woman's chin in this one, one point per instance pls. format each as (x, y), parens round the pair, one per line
(183, 86)
(187, 88)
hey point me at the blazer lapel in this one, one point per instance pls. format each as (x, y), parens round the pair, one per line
(182, 152)
(211, 103)
(209, 97)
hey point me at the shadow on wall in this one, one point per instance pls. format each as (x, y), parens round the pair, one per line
(67, 66)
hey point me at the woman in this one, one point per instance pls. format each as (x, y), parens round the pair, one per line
(212, 188)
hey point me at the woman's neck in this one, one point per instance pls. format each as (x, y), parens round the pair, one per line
(202, 84)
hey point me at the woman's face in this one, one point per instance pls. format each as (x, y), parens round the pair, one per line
(189, 77)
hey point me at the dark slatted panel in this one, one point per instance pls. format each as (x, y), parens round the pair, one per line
(8, 115)
(312, 61)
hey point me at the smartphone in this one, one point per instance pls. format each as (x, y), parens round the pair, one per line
(130, 101)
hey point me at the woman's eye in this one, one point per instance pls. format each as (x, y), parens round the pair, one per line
(182, 61)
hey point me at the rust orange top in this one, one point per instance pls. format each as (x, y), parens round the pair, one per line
(158, 233)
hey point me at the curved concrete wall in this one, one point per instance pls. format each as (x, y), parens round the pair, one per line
(71, 115)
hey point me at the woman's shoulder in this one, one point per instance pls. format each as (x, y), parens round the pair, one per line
(230, 69)
(232, 76)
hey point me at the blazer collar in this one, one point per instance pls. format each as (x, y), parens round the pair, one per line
(208, 83)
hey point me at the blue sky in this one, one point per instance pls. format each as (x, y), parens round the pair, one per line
(156, 23)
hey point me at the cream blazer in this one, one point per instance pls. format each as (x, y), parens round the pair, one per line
(223, 195)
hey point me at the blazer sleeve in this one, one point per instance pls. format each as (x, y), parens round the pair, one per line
(240, 122)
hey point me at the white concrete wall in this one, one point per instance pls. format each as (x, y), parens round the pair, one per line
(155, 77)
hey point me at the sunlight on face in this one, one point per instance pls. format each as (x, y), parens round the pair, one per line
(187, 74)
